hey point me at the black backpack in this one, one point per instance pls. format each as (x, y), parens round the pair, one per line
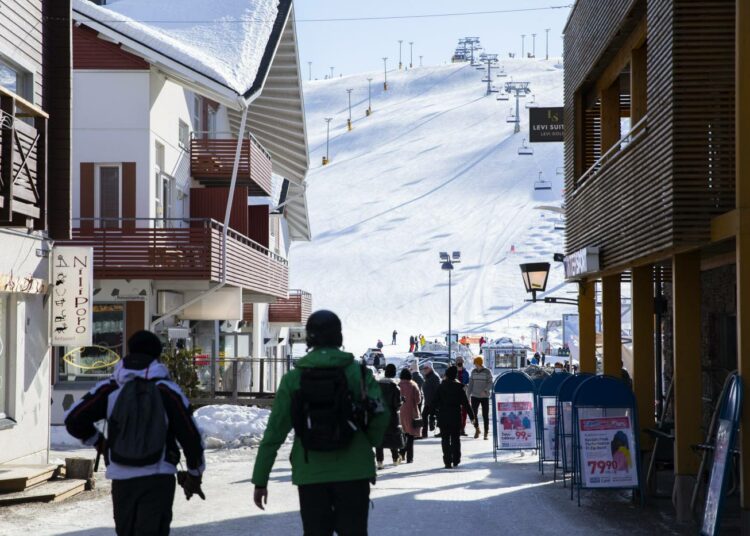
(323, 410)
(137, 426)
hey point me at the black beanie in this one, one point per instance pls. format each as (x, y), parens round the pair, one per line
(451, 373)
(145, 343)
(390, 370)
(405, 374)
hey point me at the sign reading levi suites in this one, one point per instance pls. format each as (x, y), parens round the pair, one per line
(546, 124)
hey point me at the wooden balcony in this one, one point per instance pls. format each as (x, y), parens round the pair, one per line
(23, 162)
(185, 249)
(292, 311)
(212, 161)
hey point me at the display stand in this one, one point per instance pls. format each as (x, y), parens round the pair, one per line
(547, 418)
(513, 413)
(606, 439)
(726, 435)
(565, 424)
(538, 381)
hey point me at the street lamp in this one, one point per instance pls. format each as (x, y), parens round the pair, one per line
(411, 54)
(546, 44)
(447, 263)
(400, 41)
(420, 60)
(328, 120)
(533, 45)
(535, 276)
(385, 74)
(369, 97)
(331, 72)
(309, 70)
(523, 45)
(349, 121)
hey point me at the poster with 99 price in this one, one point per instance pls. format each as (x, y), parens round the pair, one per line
(607, 453)
(515, 421)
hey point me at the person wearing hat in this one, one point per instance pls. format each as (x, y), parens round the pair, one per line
(449, 400)
(332, 459)
(429, 388)
(480, 389)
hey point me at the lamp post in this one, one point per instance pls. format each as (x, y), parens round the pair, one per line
(447, 263)
(328, 120)
(385, 74)
(400, 65)
(523, 45)
(369, 97)
(546, 43)
(411, 54)
(331, 72)
(533, 45)
(309, 70)
(349, 120)
(420, 60)
(535, 275)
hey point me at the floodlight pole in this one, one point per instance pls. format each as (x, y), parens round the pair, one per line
(385, 74)
(309, 70)
(546, 44)
(400, 65)
(533, 45)
(331, 72)
(328, 120)
(349, 121)
(523, 45)
(369, 97)
(450, 310)
(411, 54)
(420, 61)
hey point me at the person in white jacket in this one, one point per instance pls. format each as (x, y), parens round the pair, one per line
(480, 390)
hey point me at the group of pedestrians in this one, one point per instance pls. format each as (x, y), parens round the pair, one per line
(416, 342)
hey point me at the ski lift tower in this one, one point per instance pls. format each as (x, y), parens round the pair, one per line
(491, 61)
(520, 89)
(473, 44)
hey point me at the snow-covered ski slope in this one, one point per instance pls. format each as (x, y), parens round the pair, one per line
(434, 168)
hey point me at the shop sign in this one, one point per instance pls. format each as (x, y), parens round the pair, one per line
(549, 416)
(515, 421)
(608, 452)
(582, 262)
(546, 125)
(22, 284)
(72, 281)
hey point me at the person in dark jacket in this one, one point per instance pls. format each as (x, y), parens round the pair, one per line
(393, 438)
(449, 400)
(463, 379)
(430, 387)
(142, 496)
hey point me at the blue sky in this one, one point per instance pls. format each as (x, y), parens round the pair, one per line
(357, 46)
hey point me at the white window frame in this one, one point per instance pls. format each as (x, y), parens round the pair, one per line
(97, 188)
(8, 376)
(197, 115)
(183, 144)
(24, 77)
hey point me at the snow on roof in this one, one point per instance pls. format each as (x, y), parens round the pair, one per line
(224, 40)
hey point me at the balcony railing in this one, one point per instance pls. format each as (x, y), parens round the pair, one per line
(291, 311)
(23, 156)
(212, 161)
(180, 249)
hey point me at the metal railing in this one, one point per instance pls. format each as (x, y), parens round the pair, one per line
(239, 377)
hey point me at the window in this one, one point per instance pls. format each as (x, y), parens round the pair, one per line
(165, 187)
(197, 115)
(4, 357)
(108, 196)
(184, 135)
(211, 126)
(108, 334)
(16, 80)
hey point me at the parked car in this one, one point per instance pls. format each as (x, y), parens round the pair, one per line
(369, 357)
(440, 361)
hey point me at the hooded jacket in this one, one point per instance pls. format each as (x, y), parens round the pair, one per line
(430, 387)
(355, 462)
(98, 403)
(449, 400)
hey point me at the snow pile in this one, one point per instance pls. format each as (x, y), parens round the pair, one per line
(223, 40)
(226, 426)
(434, 168)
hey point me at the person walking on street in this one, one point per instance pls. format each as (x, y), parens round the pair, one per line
(411, 343)
(449, 400)
(463, 379)
(480, 389)
(379, 346)
(410, 414)
(430, 387)
(393, 342)
(394, 433)
(422, 341)
(377, 361)
(332, 461)
(148, 420)
(416, 376)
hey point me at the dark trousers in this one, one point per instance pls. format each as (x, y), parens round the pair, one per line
(451, 442)
(408, 451)
(485, 405)
(335, 506)
(380, 454)
(427, 414)
(143, 506)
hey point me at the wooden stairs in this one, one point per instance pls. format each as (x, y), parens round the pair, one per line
(36, 483)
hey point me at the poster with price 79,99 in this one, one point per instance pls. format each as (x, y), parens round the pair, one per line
(515, 421)
(607, 452)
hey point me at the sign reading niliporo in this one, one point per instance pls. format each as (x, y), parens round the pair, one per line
(72, 299)
(546, 124)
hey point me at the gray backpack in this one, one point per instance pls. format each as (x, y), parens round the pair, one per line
(137, 426)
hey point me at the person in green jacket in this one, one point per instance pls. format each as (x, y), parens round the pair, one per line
(333, 486)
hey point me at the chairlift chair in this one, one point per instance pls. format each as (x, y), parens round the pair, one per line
(559, 224)
(526, 149)
(532, 102)
(541, 184)
(511, 116)
(503, 97)
(560, 171)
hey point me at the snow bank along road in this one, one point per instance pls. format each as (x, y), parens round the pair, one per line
(480, 496)
(435, 168)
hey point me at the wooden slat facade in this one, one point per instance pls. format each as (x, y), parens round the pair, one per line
(294, 310)
(659, 192)
(91, 52)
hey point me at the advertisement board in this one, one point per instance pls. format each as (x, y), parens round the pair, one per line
(515, 421)
(72, 300)
(546, 124)
(549, 427)
(608, 452)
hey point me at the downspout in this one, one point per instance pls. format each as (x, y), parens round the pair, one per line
(225, 230)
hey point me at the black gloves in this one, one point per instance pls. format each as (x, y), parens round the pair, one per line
(190, 484)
